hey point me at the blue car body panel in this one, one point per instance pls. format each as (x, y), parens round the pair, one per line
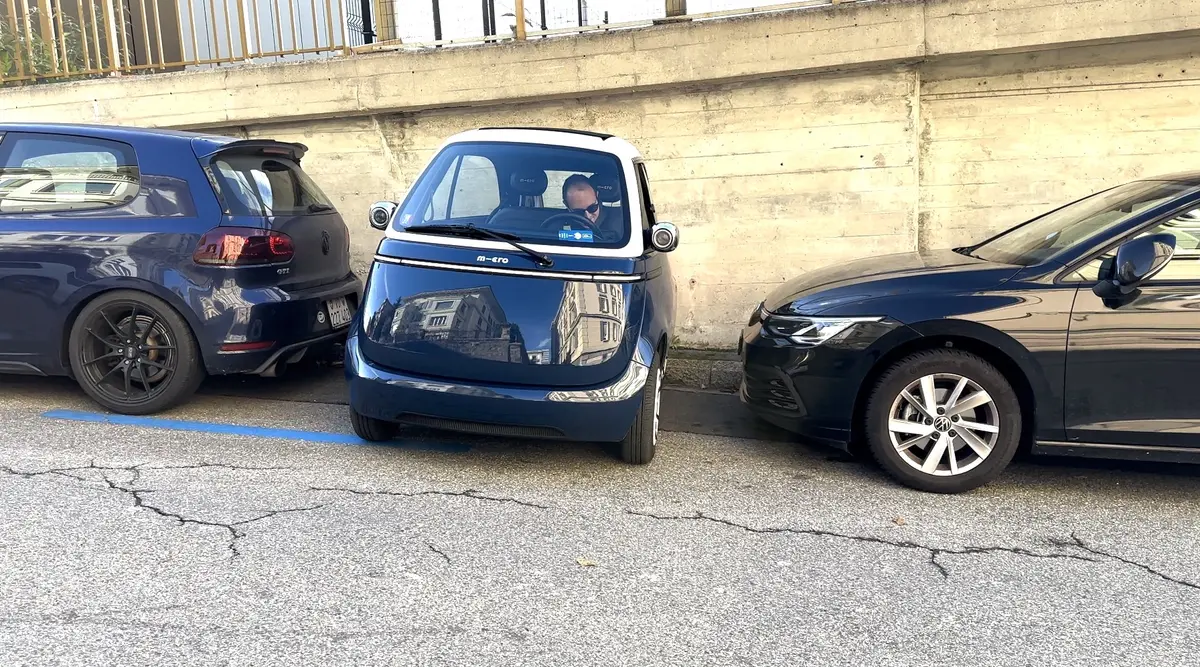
(52, 263)
(423, 380)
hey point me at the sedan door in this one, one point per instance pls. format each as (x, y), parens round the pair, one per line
(1133, 365)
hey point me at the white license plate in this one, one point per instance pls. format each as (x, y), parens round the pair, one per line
(339, 312)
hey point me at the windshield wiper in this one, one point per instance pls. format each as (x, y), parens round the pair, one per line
(319, 208)
(479, 232)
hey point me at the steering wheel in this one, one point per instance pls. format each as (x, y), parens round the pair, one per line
(569, 216)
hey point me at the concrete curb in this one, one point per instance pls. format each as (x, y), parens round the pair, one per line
(712, 370)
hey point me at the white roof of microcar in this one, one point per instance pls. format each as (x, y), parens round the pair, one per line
(595, 141)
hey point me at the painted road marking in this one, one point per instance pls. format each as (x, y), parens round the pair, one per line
(237, 429)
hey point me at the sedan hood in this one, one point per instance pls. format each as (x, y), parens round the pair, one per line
(888, 275)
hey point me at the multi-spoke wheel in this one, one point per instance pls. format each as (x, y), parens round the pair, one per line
(943, 421)
(133, 354)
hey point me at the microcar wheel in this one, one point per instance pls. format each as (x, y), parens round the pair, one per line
(944, 421)
(639, 445)
(371, 429)
(133, 354)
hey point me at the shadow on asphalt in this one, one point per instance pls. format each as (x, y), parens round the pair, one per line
(683, 410)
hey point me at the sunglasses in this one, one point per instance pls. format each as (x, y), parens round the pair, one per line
(590, 209)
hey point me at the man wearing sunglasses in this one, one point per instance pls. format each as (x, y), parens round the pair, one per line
(580, 197)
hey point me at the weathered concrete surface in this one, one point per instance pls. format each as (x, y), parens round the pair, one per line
(778, 143)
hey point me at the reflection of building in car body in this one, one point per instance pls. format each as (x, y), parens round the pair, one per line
(463, 319)
(589, 324)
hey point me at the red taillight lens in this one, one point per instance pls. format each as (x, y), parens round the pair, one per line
(243, 246)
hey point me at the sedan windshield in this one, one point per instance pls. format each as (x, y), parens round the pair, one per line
(1044, 237)
(548, 195)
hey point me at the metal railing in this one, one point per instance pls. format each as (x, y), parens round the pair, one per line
(46, 40)
(422, 27)
(56, 40)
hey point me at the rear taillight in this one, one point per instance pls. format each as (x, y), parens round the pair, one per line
(243, 246)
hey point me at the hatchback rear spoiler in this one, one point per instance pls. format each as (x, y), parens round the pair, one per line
(207, 148)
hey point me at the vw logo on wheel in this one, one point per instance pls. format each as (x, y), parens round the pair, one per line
(942, 424)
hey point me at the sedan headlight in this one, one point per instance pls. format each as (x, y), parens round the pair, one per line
(810, 331)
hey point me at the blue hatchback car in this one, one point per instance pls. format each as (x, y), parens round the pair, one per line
(138, 261)
(522, 289)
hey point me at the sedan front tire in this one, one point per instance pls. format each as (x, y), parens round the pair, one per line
(944, 421)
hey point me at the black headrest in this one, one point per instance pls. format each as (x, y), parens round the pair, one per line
(529, 183)
(608, 188)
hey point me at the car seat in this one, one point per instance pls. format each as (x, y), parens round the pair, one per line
(521, 207)
(608, 191)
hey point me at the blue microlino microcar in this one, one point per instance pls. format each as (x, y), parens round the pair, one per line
(522, 289)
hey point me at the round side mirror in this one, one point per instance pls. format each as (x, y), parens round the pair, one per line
(664, 237)
(381, 214)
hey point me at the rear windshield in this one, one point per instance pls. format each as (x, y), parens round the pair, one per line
(266, 185)
(549, 195)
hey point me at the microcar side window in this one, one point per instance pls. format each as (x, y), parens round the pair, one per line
(548, 195)
(648, 218)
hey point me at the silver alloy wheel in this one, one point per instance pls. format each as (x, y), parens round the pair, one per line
(944, 424)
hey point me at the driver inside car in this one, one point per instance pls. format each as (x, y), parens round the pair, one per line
(580, 197)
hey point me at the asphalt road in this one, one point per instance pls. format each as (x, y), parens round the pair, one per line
(158, 544)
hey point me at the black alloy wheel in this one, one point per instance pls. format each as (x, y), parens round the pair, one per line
(133, 354)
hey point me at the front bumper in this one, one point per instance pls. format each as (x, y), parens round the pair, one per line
(810, 391)
(595, 414)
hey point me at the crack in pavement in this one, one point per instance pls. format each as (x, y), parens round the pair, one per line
(934, 552)
(1078, 543)
(235, 533)
(135, 470)
(469, 493)
(233, 529)
(438, 551)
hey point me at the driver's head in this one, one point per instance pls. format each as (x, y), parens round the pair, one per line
(580, 197)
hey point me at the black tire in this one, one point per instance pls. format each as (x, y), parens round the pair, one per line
(99, 343)
(1004, 410)
(371, 429)
(639, 445)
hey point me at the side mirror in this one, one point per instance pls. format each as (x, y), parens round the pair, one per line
(381, 213)
(664, 237)
(1137, 261)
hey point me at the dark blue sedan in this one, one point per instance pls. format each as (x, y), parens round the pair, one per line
(138, 261)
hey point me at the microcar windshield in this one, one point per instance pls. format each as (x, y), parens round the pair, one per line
(534, 193)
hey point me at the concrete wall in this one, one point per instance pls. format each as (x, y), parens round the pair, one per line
(778, 143)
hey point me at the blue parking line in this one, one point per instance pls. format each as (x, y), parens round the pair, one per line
(253, 431)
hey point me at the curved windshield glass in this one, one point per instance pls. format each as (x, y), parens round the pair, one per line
(539, 194)
(1045, 237)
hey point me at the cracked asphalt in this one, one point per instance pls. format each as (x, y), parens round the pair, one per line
(127, 545)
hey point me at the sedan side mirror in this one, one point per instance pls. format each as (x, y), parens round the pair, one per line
(381, 213)
(664, 237)
(1137, 261)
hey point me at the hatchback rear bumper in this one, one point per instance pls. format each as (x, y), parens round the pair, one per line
(268, 326)
(594, 414)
